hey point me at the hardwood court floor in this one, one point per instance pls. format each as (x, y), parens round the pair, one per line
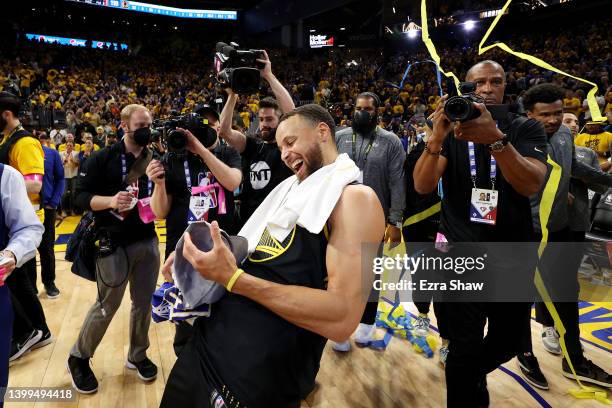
(398, 377)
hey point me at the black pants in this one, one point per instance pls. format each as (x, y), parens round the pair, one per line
(471, 354)
(560, 264)
(28, 310)
(69, 193)
(46, 251)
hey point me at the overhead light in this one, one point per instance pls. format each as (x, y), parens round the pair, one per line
(341, 45)
(312, 31)
(413, 34)
(469, 25)
(342, 28)
(175, 27)
(393, 10)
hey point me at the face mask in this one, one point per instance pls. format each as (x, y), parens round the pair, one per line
(363, 122)
(3, 124)
(142, 136)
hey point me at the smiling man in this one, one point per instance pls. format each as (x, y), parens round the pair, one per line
(301, 284)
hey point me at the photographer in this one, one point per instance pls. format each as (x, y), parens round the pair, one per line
(111, 185)
(203, 165)
(518, 149)
(262, 168)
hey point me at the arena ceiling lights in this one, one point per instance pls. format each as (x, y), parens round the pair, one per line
(159, 10)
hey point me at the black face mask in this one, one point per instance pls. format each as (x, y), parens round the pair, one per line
(363, 122)
(3, 124)
(142, 136)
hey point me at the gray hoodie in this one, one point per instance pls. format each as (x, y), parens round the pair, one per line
(384, 169)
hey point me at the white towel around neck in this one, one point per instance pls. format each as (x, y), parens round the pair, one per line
(307, 204)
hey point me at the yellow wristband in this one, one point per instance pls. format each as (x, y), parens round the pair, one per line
(233, 279)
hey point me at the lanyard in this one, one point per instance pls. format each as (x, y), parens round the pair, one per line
(493, 171)
(17, 128)
(187, 175)
(124, 175)
(367, 150)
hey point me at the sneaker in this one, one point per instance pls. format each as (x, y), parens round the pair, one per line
(46, 338)
(588, 372)
(52, 291)
(18, 348)
(530, 370)
(83, 378)
(550, 340)
(363, 336)
(147, 371)
(421, 326)
(443, 354)
(343, 347)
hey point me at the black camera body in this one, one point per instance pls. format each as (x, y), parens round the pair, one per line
(461, 107)
(176, 140)
(238, 69)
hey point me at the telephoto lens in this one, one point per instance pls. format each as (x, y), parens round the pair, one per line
(460, 108)
(176, 141)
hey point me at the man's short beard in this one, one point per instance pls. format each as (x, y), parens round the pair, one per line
(313, 160)
(268, 136)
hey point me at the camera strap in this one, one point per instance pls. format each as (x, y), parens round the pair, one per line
(367, 150)
(187, 175)
(493, 171)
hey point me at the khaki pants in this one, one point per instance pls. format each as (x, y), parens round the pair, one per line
(142, 272)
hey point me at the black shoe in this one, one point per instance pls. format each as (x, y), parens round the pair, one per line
(588, 372)
(52, 291)
(530, 370)
(147, 371)
(46, 338)
(83, 379)
(19, 348)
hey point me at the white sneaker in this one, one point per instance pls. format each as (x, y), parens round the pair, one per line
(343, 347)
(550, 340)
(443, 354)
(421, 326)
(363, 336)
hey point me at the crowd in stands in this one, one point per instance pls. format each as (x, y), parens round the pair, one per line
(91, 86)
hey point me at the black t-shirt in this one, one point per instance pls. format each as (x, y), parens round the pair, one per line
(176, 186)
(513, 212)
(262, 171)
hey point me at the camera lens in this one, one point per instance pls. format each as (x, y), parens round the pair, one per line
(457, 109)
(176, 141)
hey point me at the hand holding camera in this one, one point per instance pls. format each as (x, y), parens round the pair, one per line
(483, 129)
(123, 200)
(156, 172)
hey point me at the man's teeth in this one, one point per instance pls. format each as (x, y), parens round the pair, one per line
(296, 164)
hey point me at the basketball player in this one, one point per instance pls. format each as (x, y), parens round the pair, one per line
(262, 344)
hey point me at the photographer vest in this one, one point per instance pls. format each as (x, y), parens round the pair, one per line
(6, 147)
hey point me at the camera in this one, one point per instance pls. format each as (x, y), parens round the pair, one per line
(238, 69)
(461, 108)
(176, 140)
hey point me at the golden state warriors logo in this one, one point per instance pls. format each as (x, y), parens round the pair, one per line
(269, 247)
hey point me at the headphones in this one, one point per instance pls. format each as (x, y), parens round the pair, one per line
(9, 99)
(370, 95)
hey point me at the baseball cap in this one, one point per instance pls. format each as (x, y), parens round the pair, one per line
(204, 109)
(197, 290)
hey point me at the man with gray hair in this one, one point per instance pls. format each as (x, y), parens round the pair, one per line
(114, 186)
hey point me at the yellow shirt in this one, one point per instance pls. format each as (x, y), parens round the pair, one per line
(27, 157)
(398, 109)
(572, 106)
(599, 143)
(62, 147)
(246, 119)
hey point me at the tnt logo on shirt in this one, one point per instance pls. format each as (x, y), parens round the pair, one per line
(260, 175)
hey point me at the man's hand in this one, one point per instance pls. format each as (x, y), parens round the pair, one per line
(483, 129)
(441, 125)
(217, 264)
(156, 172)
(121, 201)
(266, 71)
(166, 269)
(393, 234)
(7, 268)
(193, 144)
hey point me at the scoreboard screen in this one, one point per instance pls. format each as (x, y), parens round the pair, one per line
(157, 9)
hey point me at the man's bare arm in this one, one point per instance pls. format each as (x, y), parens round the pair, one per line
(236, 139)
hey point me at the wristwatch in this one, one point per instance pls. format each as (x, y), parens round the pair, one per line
(500, 145)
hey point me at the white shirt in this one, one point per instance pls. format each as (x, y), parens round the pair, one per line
(24, 227)
(70, 169)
